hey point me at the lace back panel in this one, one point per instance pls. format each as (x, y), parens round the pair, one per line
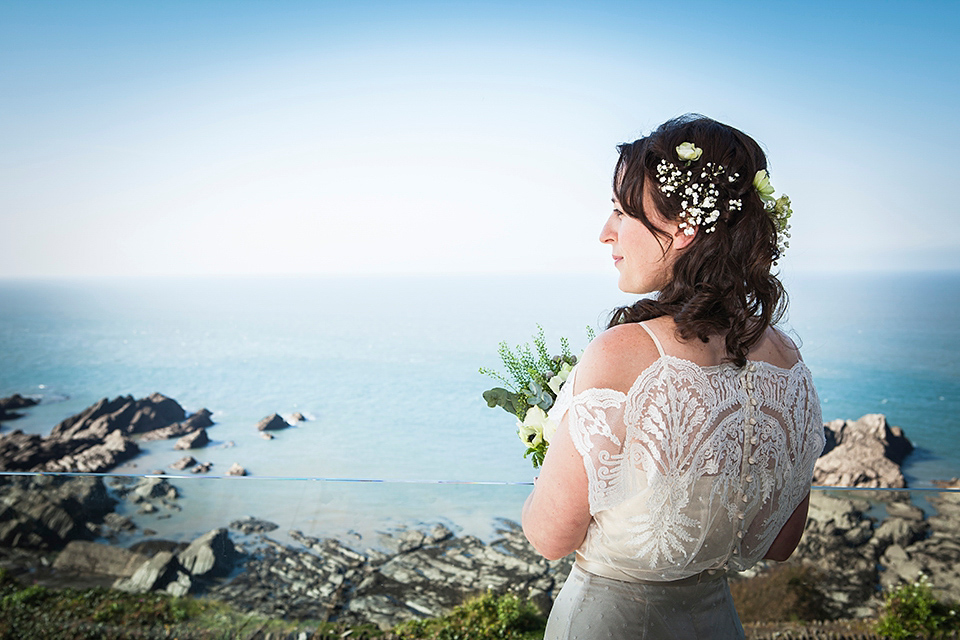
(695, 467)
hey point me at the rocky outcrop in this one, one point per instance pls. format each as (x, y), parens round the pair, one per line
(422, 573)
(936, 554)
(272, 423)
(179, 573)
(9, 404)
(862, 453)
(184, 463)
(80, 556)
(857, 554)
(194, 440)
(101, 436)
(236, 470)
(47, 512)
(199, 420)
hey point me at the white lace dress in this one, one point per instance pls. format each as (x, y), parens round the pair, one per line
(693, 471)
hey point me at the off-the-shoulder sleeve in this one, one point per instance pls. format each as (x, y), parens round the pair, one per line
(594, 419)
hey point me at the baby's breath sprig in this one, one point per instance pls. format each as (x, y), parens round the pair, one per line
(699, 189)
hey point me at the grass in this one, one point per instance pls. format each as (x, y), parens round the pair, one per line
(105, 614)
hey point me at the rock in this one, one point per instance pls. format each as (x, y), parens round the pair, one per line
(200, 420)
(183, 463)
(16, 401)
(154, 574)
(900, 532)
(47, 512)
(180, 585)
(266, 435)
(96, 439)
(115, 523)
(236, 470)
(98, 458)
(154, 412)
(80, 556)
(272, 423)
(153, 488)
(193, 440)
(326, 579)
(212, 554)
(867, 453)
(250, 525)
(175, 430)
(203, 467)
(298, 417)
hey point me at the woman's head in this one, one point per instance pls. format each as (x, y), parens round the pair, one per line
(691, 183)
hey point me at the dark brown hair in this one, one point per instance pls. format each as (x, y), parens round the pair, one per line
(721, 281)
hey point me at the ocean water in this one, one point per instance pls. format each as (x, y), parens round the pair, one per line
(386, 370)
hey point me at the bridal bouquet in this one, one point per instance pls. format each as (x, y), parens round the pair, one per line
(532, 383)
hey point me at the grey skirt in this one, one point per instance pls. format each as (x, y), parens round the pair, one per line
(591, 607)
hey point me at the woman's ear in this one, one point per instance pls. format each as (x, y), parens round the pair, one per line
(681, 239)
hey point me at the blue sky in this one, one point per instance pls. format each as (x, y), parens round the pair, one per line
(187, 138)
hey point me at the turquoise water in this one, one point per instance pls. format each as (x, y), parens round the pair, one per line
(386, 368)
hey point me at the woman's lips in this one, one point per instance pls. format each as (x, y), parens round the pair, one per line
(617, 259)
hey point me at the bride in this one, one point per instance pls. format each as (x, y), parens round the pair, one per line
(689, 429)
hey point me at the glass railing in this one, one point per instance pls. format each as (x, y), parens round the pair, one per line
(355, 552)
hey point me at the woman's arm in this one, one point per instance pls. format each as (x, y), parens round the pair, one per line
(556, 515)
(789, 536)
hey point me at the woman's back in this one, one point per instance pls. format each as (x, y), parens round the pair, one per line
(696, 464)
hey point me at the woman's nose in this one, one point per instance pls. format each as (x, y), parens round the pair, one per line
(607, 233)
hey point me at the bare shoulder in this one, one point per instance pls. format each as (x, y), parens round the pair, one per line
(615, 358)
(777, 348)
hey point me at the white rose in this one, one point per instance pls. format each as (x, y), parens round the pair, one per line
(689, 152)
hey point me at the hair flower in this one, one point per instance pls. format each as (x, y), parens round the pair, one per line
(689, 152)
(761, 182)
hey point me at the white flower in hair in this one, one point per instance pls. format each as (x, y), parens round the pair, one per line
(689, 152)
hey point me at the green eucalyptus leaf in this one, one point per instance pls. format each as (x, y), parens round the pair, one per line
(500, 397)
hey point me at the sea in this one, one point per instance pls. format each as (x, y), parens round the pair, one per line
(386, 369)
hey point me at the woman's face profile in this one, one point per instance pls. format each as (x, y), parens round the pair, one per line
(643, 259)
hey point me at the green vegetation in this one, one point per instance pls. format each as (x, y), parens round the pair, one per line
(105, 614)
(486, 617)
(912, 611)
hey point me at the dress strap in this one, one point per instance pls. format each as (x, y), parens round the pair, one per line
(655, 340)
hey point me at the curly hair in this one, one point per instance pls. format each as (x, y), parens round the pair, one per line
(721, 282)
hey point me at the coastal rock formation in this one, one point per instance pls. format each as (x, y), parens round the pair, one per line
(47, 512)
(428, 573)
(10, 403)
(84, 557)
(236, 470)
(183, 463)
(100, 437)
(193, 440)
(272, 423)
(862, 453)
(178, 573)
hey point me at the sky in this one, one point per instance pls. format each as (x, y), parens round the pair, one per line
(206, 138)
